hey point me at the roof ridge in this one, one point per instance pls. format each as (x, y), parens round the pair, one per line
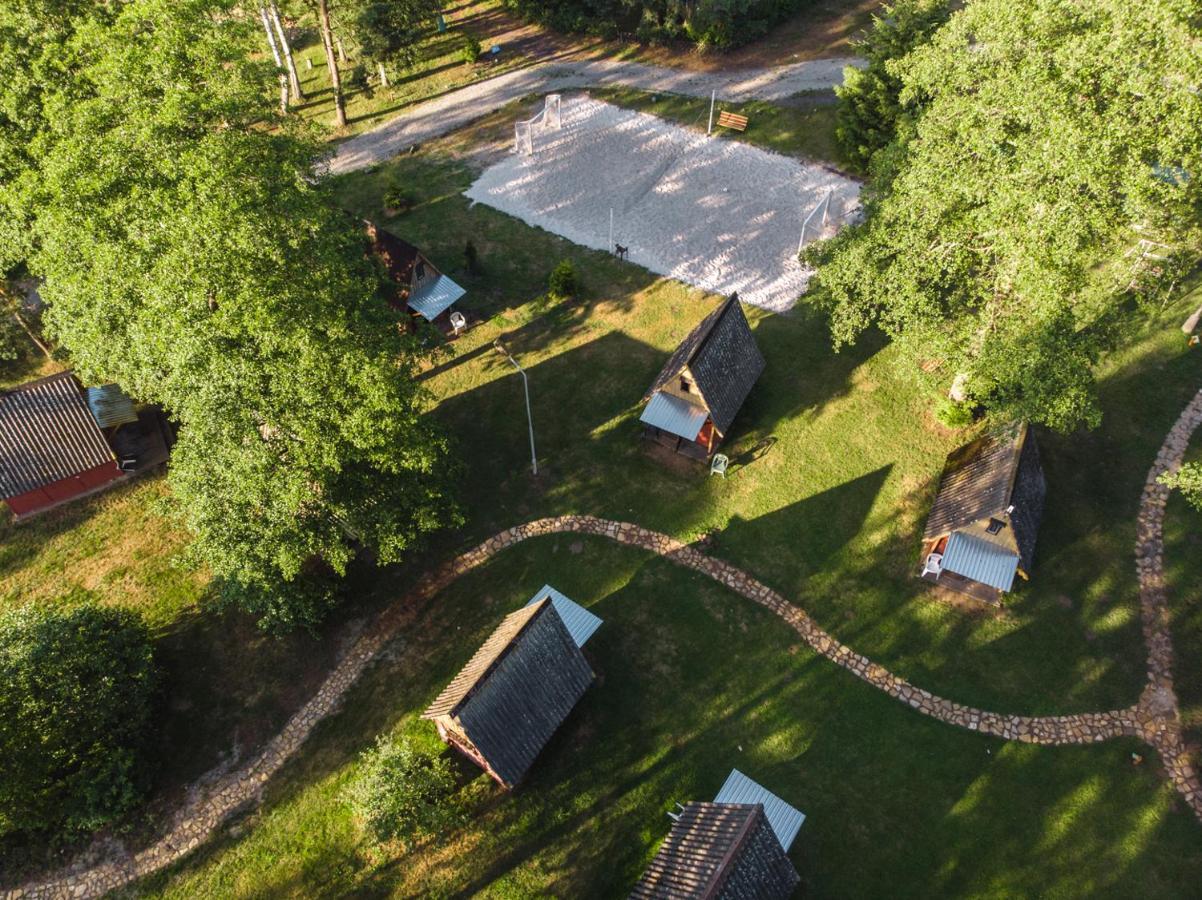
(716, 316)
(532, 612)
(38, 382)
(725, 867)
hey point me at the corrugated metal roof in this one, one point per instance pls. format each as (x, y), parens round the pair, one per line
(110, 406)
(676, 416)
(980, 560)
(579, 621)
(719, 850)
(47, 433)
(434, 297)
(785, 819)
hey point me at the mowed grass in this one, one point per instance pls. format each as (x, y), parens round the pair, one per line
(835, 457)
(806, 128)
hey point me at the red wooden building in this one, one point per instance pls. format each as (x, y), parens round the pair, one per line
(51, 448)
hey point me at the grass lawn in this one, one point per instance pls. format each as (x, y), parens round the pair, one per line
(806, 128)
(834, 463)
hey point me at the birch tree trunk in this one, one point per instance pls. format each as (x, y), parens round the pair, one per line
(341, 50)
(275, 53)
(383, 75)
(286, 49)
(327, 39)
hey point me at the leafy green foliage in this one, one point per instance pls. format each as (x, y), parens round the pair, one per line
(190, 257)
(76, 692)
(715, 23)
(1188, 480)
(562, 281)
(10, 329)
(869, 102)
(471, 49)
(401, 793)
(953, 414)
(389, 32)
(1009, 228)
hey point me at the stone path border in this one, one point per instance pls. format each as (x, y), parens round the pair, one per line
(1155, 718)
(457, 108)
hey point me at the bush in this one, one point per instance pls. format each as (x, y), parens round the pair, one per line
(954, 414)
(397, 200)
(402, 793)
(76, 693)
(562, 282)
(471, 257)
(471, 49)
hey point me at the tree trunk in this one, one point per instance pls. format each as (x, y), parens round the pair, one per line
(327, 39)
(286, 49)
(383, 75)
(341, 50)
(275, 53)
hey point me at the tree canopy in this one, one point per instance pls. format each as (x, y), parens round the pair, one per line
(76, 702)
(1044, 191)
(191, 256)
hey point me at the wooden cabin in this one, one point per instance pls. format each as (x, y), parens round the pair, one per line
(513, 694)
(983, 524)
(700, 390)
(726, 851)
(421, 288)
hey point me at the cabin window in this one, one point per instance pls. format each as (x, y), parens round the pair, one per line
(685, 385)
(995, 526)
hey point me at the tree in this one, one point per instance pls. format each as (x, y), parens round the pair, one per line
(388, 31)
(327, 40)
(37, 56)
(190, 256)
(273, 12)
(401, 793)
(1188, 480)
(1011, 230)
(869, 101)
(76, 697)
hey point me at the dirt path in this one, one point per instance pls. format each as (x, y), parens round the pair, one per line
(1155, 718)
(457, 108)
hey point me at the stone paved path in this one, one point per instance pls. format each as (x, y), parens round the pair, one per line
(455, 109)
(1155, 718)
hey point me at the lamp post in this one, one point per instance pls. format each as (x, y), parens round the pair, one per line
(529, 415)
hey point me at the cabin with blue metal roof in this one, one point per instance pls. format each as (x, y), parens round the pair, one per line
(702, 387)
(983, 524)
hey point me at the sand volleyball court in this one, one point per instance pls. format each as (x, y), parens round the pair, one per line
(709, 211)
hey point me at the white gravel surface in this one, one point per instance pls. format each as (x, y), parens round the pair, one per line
(711, 212)
(455, 109)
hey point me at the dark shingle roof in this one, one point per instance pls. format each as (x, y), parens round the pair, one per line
(722, 354)
(47, 434)
(719, 850)
(517, 689)
(977, 481)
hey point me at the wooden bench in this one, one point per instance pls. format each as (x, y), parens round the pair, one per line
(732, 120)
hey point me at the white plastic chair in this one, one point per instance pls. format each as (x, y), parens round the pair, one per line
(458, 322)
(933, 565)
(718, 464)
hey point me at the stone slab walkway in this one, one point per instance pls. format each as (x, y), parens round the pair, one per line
(1155, 718)
(457, 108)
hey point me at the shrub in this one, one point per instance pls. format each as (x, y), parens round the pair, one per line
(954, 414)
(397, 200)
(76, 693)
(402, 793)
(471, 49)
(471, 257)
(562, 281)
